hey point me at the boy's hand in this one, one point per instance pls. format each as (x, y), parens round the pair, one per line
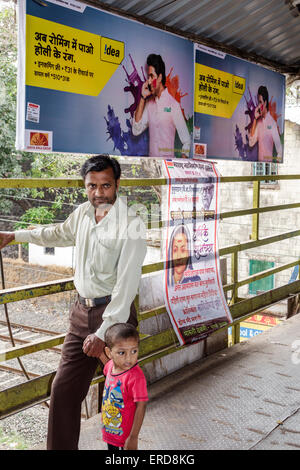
(103, 358)
(131, 443)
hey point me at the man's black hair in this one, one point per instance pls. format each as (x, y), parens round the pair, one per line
(100, 163)
(120, 331)
(156, 61)
(263, 91)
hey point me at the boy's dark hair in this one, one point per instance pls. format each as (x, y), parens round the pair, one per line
(100, 163)
(263, 91)
(120, 331)
(156, 61)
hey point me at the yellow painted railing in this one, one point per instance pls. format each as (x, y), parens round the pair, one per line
(152, 347)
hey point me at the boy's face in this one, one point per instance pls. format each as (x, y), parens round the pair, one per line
(124, 354)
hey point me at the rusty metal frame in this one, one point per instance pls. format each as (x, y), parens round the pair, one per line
(37, 390)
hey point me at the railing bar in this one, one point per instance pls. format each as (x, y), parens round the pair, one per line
(33, 347)
(255, 243)
(264, 300)
(238, 213)
(226, 287)
(77, 182)
(14, 294)
(38, 345)
(268, 272)
(250, 179)
(222, 215)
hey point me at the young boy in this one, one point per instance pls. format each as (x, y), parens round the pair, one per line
(125, 390)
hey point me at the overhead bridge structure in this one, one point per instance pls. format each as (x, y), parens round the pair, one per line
(243, 397)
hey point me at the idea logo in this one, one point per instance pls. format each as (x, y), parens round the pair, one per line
(112, 50)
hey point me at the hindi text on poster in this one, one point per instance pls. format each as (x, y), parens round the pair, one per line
(67, 59)
(216, 92)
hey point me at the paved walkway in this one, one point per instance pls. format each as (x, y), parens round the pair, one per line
(245, 397)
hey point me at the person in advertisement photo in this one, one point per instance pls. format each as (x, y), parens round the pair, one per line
(160, 113)
(264, 129)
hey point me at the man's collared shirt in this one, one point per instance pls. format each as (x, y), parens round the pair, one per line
(163, 116)
(108, 256)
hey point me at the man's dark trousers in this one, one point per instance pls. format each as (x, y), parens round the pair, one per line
(73, 377)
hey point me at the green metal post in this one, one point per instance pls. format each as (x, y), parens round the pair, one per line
(234, 279)
(255, 217)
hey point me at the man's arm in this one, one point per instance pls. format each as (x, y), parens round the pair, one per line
(253, 127)
(128, 277)
(253, 130)
(182, 130)
(140, 109)
(140, 119)
(132, 440)
(63, 234)
(276, 140)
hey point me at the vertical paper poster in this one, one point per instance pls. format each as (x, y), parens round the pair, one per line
(238, 109)
(193, 291)
(88, 73)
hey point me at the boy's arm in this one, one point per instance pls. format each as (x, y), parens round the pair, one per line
(132, 440)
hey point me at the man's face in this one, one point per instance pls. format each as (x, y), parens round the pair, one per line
(262, 105)
(207, 192)
(154, 80)
(101, 187)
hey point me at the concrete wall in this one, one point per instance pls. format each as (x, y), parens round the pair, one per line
(63, 256)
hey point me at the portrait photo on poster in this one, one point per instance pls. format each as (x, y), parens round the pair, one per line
(193, 292)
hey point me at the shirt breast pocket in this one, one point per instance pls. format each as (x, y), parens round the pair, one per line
(107, 255)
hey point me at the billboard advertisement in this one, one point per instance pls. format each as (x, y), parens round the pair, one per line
(86, 75)
(238, 109)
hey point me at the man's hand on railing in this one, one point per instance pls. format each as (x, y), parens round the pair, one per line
(5, 238)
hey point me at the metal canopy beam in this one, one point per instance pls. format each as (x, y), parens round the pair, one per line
(198, 38)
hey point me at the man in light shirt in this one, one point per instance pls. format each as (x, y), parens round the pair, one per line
(110, 249)
(264, 129)
(161, 113)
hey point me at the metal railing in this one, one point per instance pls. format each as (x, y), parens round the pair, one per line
(164, 342)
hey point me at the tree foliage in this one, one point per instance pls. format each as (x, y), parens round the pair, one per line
(16, 164)
(11, 161)
(36, 215)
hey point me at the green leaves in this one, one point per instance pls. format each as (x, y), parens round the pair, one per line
(41, 215)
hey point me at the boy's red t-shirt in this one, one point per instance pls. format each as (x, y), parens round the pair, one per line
(121, 392)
